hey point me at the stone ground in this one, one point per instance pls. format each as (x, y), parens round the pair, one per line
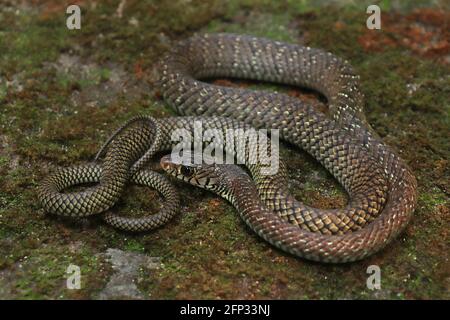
(62, 92)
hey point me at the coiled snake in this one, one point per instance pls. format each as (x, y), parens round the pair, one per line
(381, 188)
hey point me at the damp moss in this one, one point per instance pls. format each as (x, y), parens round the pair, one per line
(62, 92)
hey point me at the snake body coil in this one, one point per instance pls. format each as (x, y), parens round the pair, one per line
(381, 188)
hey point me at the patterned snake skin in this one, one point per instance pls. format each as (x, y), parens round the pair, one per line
(338, 143)
(113, 176)
(381, 188)
(70, 204)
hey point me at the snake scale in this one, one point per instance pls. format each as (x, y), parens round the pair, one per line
(381, 188)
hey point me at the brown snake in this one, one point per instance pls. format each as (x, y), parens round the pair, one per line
(381, 188)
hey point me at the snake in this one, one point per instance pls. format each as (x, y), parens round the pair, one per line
(111, 177)
(382, 189)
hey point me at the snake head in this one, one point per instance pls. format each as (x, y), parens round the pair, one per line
(206, 174)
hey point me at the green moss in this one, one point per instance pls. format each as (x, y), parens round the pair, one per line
(51, 272)
(274, 26)
(432, 200)
(207, 251)
(134, 245)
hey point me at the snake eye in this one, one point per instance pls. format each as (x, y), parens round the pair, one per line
(186, 171)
